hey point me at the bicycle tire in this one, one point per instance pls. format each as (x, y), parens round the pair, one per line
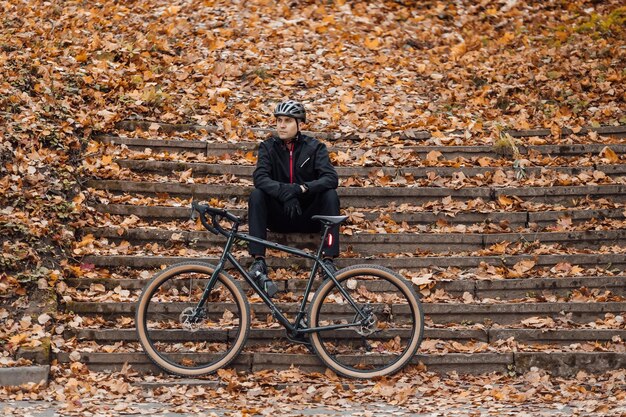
(172, 344)
(395, 318)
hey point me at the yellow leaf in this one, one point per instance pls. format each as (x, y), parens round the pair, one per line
(562, 36)
(506, 38)
(372, 43)
(87, 240)
(18, 338)
(107, 160)
(499, 247)
(504, 200)
(367, 82)
(250, 157)
(609, 154)
(218, 108)
(82, 57)
(172, 10)
(459, 49)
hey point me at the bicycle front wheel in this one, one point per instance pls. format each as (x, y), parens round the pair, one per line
(383, 334)
(181, 339)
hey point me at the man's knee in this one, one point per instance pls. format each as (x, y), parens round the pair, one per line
(257, 197)
(330, 199)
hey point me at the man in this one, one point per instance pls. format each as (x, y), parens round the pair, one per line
(293, 181)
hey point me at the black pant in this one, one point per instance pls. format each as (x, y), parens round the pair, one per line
(265, 212)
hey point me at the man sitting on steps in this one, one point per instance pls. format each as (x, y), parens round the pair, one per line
(293, 181)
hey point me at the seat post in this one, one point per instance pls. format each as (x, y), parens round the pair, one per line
(324, 235)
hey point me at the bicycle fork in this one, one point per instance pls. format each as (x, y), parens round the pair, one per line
(218, 268)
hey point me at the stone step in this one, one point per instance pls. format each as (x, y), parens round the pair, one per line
(372, 244)
(559, 336)
(513, 218)
(217, 148)
(257, 336)
(168, 128)
(439, 313)
(558, 363)
(378, 196)
(500, 288)
(596, 260)
(246, 171)
(24, 375)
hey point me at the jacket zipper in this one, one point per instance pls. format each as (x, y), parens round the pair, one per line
(291, 164)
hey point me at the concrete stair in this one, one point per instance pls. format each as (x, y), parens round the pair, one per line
(379, 196)
(498, 328)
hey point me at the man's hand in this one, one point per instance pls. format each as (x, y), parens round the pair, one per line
(292, 208)
(288, 191)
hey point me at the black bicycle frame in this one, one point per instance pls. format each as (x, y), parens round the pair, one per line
(233, 235)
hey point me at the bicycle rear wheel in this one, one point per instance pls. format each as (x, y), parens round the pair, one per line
(382, 342)
(182, 341)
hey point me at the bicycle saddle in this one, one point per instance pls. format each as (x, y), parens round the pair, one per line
(330, 220)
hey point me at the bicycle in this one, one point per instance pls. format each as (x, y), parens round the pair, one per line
(193, 318)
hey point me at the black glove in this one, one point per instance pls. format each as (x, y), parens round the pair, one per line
(292, 208)
(288, 191)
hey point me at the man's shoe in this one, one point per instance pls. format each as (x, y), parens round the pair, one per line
(330, 265)
(258, 267)
(258, 272)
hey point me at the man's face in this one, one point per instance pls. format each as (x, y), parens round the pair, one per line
(287, 127)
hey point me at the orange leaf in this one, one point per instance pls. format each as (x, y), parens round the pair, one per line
(372, 43)
(367, 82)
(87, 240)
(609, 154)
(82, 57)
(219, 108)
(18, 338)
(506, 38)
(504, 200)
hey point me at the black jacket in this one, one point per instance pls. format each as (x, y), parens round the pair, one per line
(309, 165)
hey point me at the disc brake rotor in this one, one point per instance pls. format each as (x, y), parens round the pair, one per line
(188, 318)
(368, 325)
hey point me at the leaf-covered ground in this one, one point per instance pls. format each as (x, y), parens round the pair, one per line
(79, 392)
(70, 68)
